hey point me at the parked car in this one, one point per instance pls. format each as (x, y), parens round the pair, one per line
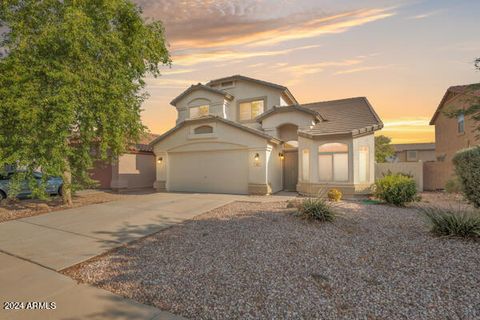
(54, 185)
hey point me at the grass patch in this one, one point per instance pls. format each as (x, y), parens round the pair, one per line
(463, 223)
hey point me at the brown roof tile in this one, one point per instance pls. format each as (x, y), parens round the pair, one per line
(345, 116)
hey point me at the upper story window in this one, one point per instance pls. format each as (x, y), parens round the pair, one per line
(199, 111)
(333, 162)
(250, 110)
(461, 123)
(412, 155)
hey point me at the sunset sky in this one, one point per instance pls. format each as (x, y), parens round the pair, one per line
(401, 55)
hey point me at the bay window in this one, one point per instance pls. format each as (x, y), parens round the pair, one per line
(333, 162)
(363, 164)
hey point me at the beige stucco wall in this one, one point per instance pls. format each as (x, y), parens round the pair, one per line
(250, 90)
(300, 119)
(133, 170)
(274, 168)
(411, 168)
(422, 155)
(224, 138)
(447, 140)
(367, 141)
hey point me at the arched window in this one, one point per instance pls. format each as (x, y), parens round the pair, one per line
(203, 130)
(333, 162)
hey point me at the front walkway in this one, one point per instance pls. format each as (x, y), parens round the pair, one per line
(33, 249)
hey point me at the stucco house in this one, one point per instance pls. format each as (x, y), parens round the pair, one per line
(247, 136)
(453, 134)
(413, 152)
(134, 169)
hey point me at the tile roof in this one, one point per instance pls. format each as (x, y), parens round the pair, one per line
(413, 146)
(143, 144)
(472, 89)
(217, 118)
(345, 116)
(199, 86)
(277, 109)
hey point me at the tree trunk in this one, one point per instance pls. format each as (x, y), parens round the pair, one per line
(67, 186)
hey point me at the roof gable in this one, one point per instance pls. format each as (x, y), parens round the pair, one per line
(295, 108)
(453, 92)
(200, 86)
(257, 81)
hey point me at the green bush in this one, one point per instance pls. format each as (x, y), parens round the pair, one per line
(467, 167)
(455, 223)
(316, 209)
(453, 185)
(397, 189)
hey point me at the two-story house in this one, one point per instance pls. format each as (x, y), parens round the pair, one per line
(454, 133)
(247, 136)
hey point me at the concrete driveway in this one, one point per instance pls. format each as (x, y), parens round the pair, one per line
(33, 249)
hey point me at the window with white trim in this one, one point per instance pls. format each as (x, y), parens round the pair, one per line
(305, 164)
(250, 110)
(363, 164)
(333, 162)
(200, 111)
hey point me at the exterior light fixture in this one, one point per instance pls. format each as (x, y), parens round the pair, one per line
(160, 160)
(281, 155)
(257, 157)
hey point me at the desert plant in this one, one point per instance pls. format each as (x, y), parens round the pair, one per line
(316, 209)
(334, 195)
(467, 167)
(397, 189)
(453, 185)
(463, 223)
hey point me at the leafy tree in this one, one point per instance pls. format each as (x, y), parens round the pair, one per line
(383, 148)
(71, 83)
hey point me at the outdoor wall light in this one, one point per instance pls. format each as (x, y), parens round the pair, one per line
(281, 155)
(160, 160)
(257, 157)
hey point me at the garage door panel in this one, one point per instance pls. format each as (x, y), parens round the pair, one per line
(209, 171)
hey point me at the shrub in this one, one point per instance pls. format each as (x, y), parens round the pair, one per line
(397, 189)
(334, 195)
(453, 185)
(316, 209)
(449, 222)
(467, 167)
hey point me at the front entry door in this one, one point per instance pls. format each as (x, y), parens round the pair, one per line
(290, 170)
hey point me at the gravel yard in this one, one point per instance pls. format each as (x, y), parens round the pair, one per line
(256, 260)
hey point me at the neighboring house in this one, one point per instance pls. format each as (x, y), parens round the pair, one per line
(134, 169)
(453, 134)
(413, 152)
(247, 136)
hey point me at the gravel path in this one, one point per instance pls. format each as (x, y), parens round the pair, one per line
(257, 261)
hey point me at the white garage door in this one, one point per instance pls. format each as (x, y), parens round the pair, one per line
(212, 171)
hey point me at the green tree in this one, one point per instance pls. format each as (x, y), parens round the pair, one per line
(383, 148)
(71, 83)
